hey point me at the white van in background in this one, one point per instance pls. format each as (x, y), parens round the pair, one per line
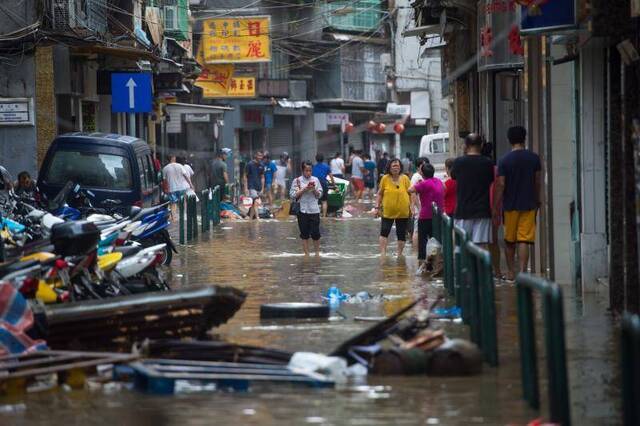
(436, 148)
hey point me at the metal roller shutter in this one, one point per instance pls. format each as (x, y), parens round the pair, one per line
(280, 136)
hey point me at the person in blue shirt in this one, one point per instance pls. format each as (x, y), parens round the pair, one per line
(321, 170)
(370, 175)
(269, 170)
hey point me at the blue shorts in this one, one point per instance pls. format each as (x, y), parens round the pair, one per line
(176, 196)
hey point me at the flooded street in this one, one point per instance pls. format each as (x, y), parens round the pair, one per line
(264, 260)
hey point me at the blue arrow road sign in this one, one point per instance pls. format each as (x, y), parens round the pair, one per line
(131, 92)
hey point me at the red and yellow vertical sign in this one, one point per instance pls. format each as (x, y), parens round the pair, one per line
(237, 39)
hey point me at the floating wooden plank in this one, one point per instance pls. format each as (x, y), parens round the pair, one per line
(116, 323)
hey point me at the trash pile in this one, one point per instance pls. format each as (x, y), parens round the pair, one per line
(408, 343)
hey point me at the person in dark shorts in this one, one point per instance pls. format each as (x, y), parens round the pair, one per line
(321, 170)
(306, 190)
(393, 198)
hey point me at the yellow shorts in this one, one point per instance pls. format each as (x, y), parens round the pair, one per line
(520, 226)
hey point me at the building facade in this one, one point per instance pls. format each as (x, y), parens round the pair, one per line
(567, 70)
(58, 69)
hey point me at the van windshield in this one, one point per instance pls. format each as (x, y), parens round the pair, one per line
(440, 146)
(90, 169)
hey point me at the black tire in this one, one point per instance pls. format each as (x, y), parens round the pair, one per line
(294, 310)
(167, 252)
(167, 255)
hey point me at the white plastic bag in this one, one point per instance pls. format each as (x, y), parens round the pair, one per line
(434, 247)
(309, 362)
(191, 193)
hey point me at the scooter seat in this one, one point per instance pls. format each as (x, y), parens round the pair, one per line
(147, 211)
(12, 267)
(128, 251)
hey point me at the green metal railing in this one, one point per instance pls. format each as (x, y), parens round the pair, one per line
(460, 270)
(553, 321)
(209, 209)
(468, 276)
(480, 288)
(630, 337)
(446, 234)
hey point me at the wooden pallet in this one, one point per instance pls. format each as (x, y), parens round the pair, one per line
(71, 367)
(159, 376)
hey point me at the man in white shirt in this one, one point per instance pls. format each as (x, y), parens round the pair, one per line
(357, 175)
(337, 166)
(177, 178)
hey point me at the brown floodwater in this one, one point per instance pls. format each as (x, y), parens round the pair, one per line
(263, 259)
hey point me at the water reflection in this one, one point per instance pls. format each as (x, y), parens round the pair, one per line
(264, 260)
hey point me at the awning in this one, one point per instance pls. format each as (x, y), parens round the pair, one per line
(120, 52)
(418, 31)
(436, 42)
(182, 108)
(352, 38)
(284, 103)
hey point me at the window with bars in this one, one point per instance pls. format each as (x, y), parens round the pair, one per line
(358, 15)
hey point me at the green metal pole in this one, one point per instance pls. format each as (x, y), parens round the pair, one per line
(462, 268)
(194, 200)
(475, 321)
(189, 219)
(203, 212)
(212, 218)
(217, 201)
(527, 336)
(457, 269)
(447, 251)
(488, 309)
(630, 353)
(181, 212)
(556, 356)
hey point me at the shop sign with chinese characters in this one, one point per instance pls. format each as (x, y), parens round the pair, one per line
(499, 43)
(16, 112)
(219, 81)
(545, 16)
(237, 39)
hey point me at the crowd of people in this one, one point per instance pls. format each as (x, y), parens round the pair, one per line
(482, 197)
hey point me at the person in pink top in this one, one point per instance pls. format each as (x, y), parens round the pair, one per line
(430, 190)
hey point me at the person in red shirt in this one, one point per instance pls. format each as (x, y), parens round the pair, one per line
(449, 190)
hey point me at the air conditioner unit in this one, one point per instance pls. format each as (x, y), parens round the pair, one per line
(171, 18)
(66, 14)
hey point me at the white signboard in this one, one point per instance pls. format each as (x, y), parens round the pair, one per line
(398, 109)
(336, 118)
(197, 118)
(16, 112)
(320, 122)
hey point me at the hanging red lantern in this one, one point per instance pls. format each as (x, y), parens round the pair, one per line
(380, 127)
(398, 128)
(371, 125)
(348, 127)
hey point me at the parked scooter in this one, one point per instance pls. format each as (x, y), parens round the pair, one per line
(73, 202)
